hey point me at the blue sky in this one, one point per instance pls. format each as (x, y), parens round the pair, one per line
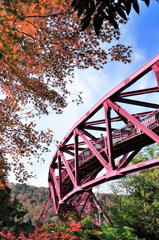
(142, 33)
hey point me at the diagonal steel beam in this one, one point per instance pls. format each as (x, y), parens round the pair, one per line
(69, 152)
(42, 220)
(138, 92)
(55, 182)
(84, 205)
(126, 161)
(53, 195)
(95, 128)
(99, 207)
(68, 168)
(114, 119)
(109, 136)
(123, 159)
(54, 159)
(89, 135)
(93, 149)
(48, 200)
(79, 200)
(136, 122)
(137, 103)
(155, 68)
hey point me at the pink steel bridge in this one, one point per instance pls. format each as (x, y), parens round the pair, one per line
(72, 178)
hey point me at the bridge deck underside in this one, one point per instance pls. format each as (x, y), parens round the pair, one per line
(128, 145)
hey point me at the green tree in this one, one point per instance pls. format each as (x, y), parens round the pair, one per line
(12, 213)
(137, 205)
(102, 10)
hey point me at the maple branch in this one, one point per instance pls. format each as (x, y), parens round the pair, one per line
(39, 16)
(20, 77)
(34, 90)
(50, 15)
(25, 34)
(32, 25)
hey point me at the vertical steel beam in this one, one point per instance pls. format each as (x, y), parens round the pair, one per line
(109, 136)
(76, 158)
(60, 177)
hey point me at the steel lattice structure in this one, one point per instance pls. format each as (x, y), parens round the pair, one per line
(71, 180)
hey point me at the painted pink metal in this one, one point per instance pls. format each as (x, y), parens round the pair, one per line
(81, 155)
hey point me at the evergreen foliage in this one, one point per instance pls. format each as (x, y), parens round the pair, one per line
(12, 213)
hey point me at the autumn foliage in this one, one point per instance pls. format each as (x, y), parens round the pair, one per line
(40, 46)
(50, 232)
(4, 168)
(33, 199)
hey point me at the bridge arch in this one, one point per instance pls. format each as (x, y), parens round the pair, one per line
(83, 153)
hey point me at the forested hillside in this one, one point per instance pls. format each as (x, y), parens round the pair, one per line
(34, 199)
(132, 208)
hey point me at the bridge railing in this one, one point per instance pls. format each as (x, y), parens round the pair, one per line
(130, 129)
(118, 135)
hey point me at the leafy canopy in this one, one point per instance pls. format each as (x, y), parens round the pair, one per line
(40, 46)
(100, 11)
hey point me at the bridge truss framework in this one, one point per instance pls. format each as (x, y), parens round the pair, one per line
(71, 180)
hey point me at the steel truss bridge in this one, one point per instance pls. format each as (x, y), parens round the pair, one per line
(71, 179)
